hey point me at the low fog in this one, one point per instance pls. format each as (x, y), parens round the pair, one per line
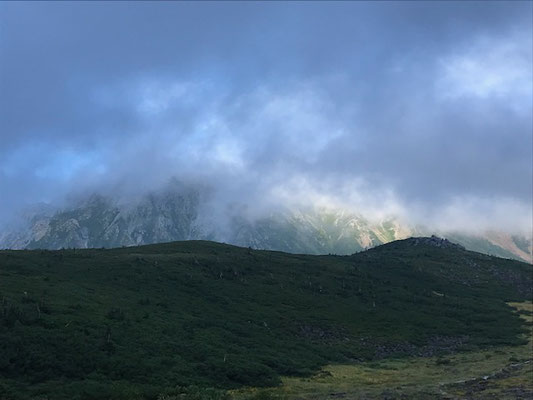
(418, 110)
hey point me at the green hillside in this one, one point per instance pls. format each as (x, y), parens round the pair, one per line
(136, 322)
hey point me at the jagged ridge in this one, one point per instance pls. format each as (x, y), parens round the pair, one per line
(182, 213)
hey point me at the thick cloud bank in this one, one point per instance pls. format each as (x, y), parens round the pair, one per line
(421, 110)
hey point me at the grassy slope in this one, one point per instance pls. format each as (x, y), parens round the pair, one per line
(503, 372)
(129, 323)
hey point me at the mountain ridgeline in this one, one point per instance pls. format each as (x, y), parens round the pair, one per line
(184, 213)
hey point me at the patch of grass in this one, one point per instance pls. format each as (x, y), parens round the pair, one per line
(419, 377)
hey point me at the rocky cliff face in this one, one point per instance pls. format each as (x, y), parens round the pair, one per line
(317, 231)
(181, 213)
(99, 222)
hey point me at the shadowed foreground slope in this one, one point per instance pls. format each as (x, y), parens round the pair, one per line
(133, 322)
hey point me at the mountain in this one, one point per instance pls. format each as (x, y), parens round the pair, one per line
(181, 212)
(135, 322)
(100, 221)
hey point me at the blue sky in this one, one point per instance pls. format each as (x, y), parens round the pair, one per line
(422, 109)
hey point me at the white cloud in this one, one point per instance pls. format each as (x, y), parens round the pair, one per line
(490, 69)
(475, 215)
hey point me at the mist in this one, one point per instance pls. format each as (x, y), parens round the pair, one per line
(421, 111)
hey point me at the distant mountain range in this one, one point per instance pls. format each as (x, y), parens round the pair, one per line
(182, 213)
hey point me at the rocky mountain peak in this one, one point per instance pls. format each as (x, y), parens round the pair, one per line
(184, 212)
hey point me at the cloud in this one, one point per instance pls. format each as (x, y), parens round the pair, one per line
(383, 108)
(488, 69)
(473, 215)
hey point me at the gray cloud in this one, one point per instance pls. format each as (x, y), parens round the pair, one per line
(400, 107)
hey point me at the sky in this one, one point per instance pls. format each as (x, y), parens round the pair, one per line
(417, 109)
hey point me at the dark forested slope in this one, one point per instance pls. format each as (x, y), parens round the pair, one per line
(132, 322)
